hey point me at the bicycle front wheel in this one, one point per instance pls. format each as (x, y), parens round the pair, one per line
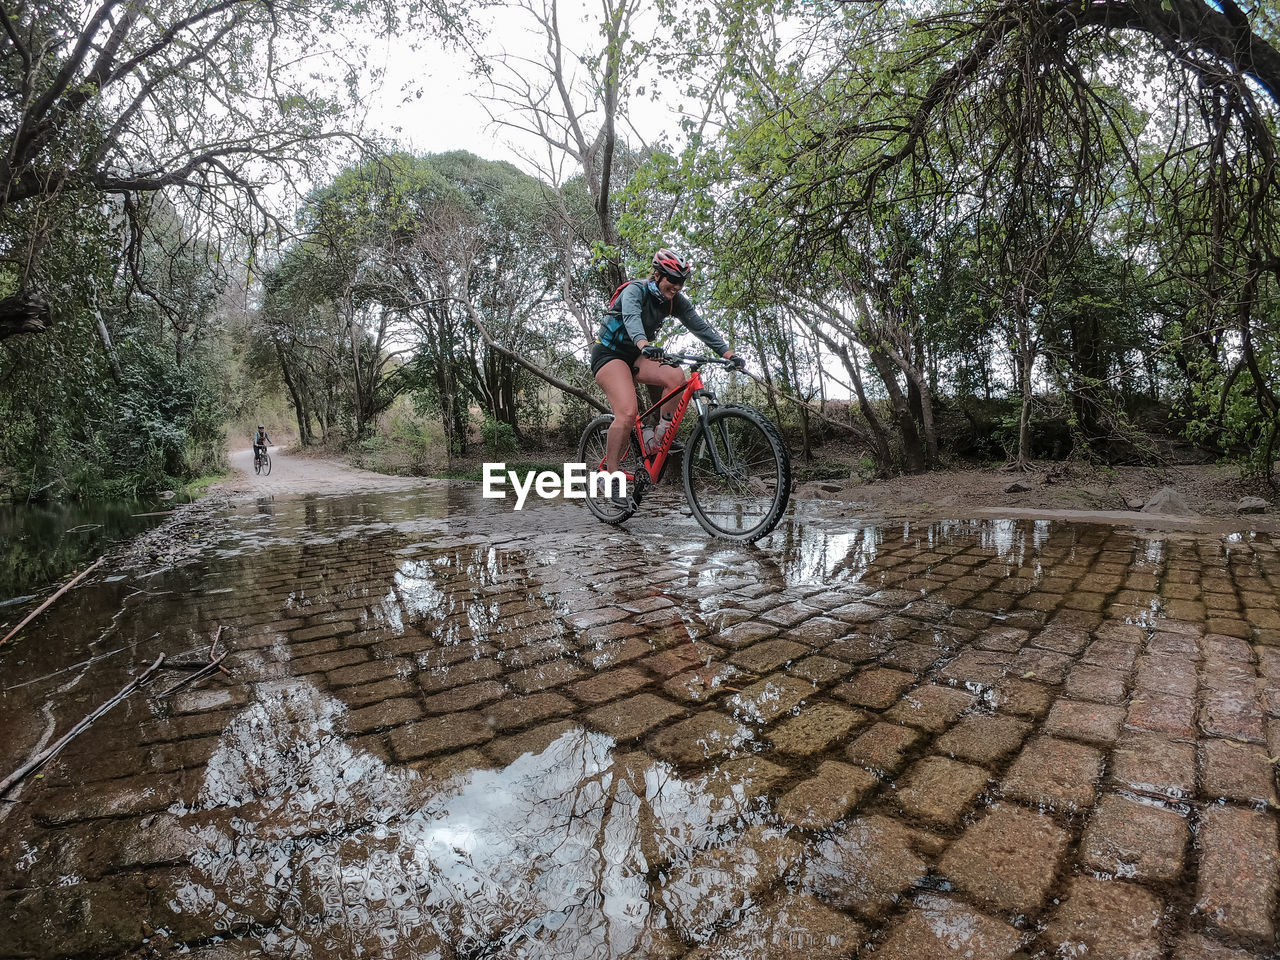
(266, 464)
(737, 473)
(257, 463)
(591, 451)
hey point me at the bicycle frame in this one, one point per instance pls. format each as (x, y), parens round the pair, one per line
(693, 389)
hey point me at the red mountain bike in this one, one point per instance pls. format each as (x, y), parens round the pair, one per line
(737, 470)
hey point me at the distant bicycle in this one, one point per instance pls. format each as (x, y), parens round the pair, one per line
(737, 470)
(261, 461)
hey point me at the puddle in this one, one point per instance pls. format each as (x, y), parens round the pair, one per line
(453, 731)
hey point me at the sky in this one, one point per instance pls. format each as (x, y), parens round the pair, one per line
(429, 99)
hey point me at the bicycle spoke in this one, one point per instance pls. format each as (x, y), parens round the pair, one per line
(737, 477)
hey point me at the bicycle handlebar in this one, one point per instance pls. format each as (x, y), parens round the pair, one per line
(693, 360)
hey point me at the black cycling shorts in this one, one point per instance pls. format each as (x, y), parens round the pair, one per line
(600, 355)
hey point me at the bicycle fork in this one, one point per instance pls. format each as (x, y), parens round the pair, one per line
(705, 401)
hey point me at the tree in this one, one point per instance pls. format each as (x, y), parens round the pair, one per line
(209, 100)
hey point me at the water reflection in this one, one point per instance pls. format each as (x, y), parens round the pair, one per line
(575, 851)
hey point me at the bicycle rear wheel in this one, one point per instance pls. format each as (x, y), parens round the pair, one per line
(737, 473)
(591, 451)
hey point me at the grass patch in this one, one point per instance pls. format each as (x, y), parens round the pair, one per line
(198, 487)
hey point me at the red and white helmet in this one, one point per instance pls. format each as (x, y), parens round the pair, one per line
(671, 265)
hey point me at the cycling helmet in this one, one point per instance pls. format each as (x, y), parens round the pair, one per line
(261, 427)
(671, 265)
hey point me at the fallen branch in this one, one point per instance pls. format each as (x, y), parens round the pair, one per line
(44, 606)
(208, 668)
(45, 756)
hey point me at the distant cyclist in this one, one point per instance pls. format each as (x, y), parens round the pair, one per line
(260, 441)
(625, 352)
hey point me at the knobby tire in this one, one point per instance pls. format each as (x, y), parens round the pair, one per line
(747, 501)
(591, 451)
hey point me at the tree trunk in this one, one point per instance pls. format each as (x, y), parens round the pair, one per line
(913, 452)
(300, 410)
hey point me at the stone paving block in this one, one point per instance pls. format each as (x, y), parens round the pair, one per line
(506, 750)
(743, 635)
(1234, 713)
(883, 748)
(707, 735)
(1084, 720)
(438, 735)
(611, 633)
(1120, 631)
(824, 670)
(1055, 773)
(770, 698)
(1162, 713)
(939, 790)
(1243, 772)
(543, 676)
(1088, 682)
(816, 632)
(914, 658)
(458, 674)
(609, 655)
(1046, 666)
(790, 614)
(1166, 673)
(876, 687)
(125, 797)
(325, 662)
(768, 655)
(1008, 859)
(930, 707)
(1239, 871)
(982, 667)
(827, 796)
(792, 927)
(680, 658)
(610, 685)
(1106, 918)
(465, 698)
(817, 727)
(855, 649)
(1196, 947)
(379, 716)
(521, 711)
(371, 672)
(1170, 643)
(983, 738)
(1135, 840)
(632, 717)
(1021, 698)
(939, 928)
(1151, 763)
(1061, 638)
(703, 684)
(867, 866)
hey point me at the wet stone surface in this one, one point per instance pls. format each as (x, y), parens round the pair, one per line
(454, 731)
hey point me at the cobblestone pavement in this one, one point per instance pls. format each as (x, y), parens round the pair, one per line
(454, 731)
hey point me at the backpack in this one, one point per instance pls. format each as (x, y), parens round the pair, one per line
(617, 293)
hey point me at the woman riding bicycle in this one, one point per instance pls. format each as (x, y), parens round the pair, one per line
(625, 353)
(260, 441)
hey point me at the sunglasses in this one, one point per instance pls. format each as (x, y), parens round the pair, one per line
(675, 283)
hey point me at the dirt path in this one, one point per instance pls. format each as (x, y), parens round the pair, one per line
(291, 474)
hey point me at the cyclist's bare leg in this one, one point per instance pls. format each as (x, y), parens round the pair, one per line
(663, 376)
(620, 390)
